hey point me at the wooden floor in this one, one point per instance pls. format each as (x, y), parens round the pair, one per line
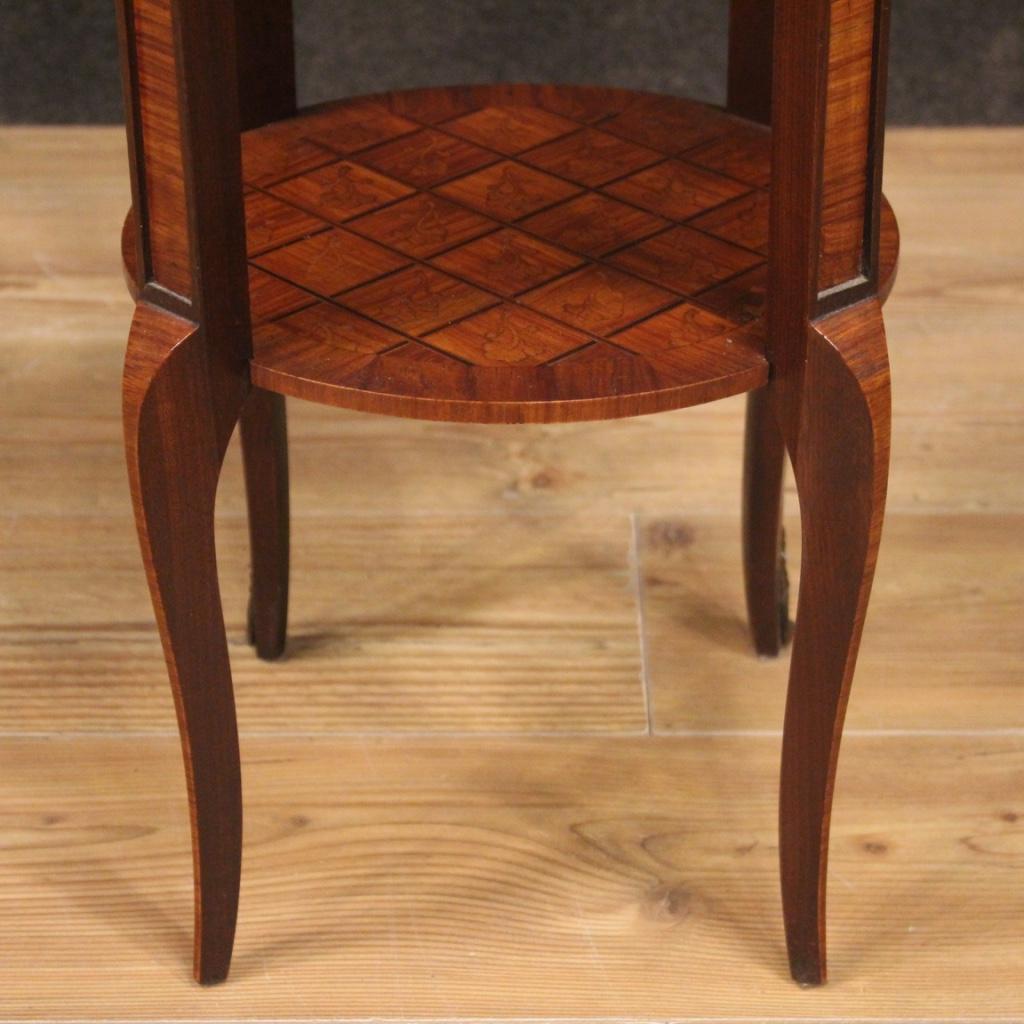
(520, 761)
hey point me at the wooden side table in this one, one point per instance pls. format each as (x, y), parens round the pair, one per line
(507, 254)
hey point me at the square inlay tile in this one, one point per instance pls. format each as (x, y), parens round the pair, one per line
(507, 261)
(604, 369)
(745, 156)
(414, 370)
(593, 224)
(682, 326)
(508, 335)
(596, 103)
(676, 190)
(598, 299)
(270, 223)
(417, 300)
(685, 260)
(508, 190)
(280, 151)
(426, 158)
(744, 221)
(331, 262)
(432, 106)
(591, 157)
(422, 225)
(510, 130)
(354, 126)
(270, 297)
(659, 123)
(341, 190)
(740, 298)
(340, 330)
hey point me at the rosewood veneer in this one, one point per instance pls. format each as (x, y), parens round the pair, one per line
(502, 254)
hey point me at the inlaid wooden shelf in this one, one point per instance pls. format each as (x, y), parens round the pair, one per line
(510, 253)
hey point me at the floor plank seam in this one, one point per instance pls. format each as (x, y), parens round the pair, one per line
(760, 1019)
(636, 574)
(547, 734)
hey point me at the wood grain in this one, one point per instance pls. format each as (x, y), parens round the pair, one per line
(512, 196)
(485, 623)
(263, 432)
(591, 880)
(941, 650)
(830, 395)
(841, 466)
(937, 652)
(667, 211)
(765, 573)
(953, 589)
(155, 118)
(185, 380)
(174, 411)
(857, 43)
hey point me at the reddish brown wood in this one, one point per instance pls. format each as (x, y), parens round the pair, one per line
(130, 263)
(841, 463)
(339, 191)
(427, 158)
(888, 249)
(849, 97)
(185, 382)
(507, 253)
(174, 415)
(830, 393)
(508, 262)
(266, 86)
(265, 453)
(440, 236)
(591, 157)
(745, 221)
(154, 124)
(741, 298)
(270, 297)
(508, 191)
(851, 161)
(764, 544)
(800, 80)
(534, 228)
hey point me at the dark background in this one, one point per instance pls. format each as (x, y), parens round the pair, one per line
(952, 62)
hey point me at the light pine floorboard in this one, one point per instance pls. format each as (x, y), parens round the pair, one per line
(509, 623)
(499, 623)
(519, 762)
(498, 879)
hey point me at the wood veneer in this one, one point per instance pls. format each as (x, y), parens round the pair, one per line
(547, 258)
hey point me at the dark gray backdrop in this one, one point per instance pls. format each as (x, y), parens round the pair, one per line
(953, 61)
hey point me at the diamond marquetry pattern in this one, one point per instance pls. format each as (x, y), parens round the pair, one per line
(485, 252)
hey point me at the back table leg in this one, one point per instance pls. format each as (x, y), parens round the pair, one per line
(764, 562)
(265, 454)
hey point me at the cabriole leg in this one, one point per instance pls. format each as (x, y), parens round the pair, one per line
(175, 443)
(841, 459)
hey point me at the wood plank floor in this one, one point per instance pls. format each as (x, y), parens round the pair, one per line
(520, 762)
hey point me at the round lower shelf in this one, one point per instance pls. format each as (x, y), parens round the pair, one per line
(511, 253)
